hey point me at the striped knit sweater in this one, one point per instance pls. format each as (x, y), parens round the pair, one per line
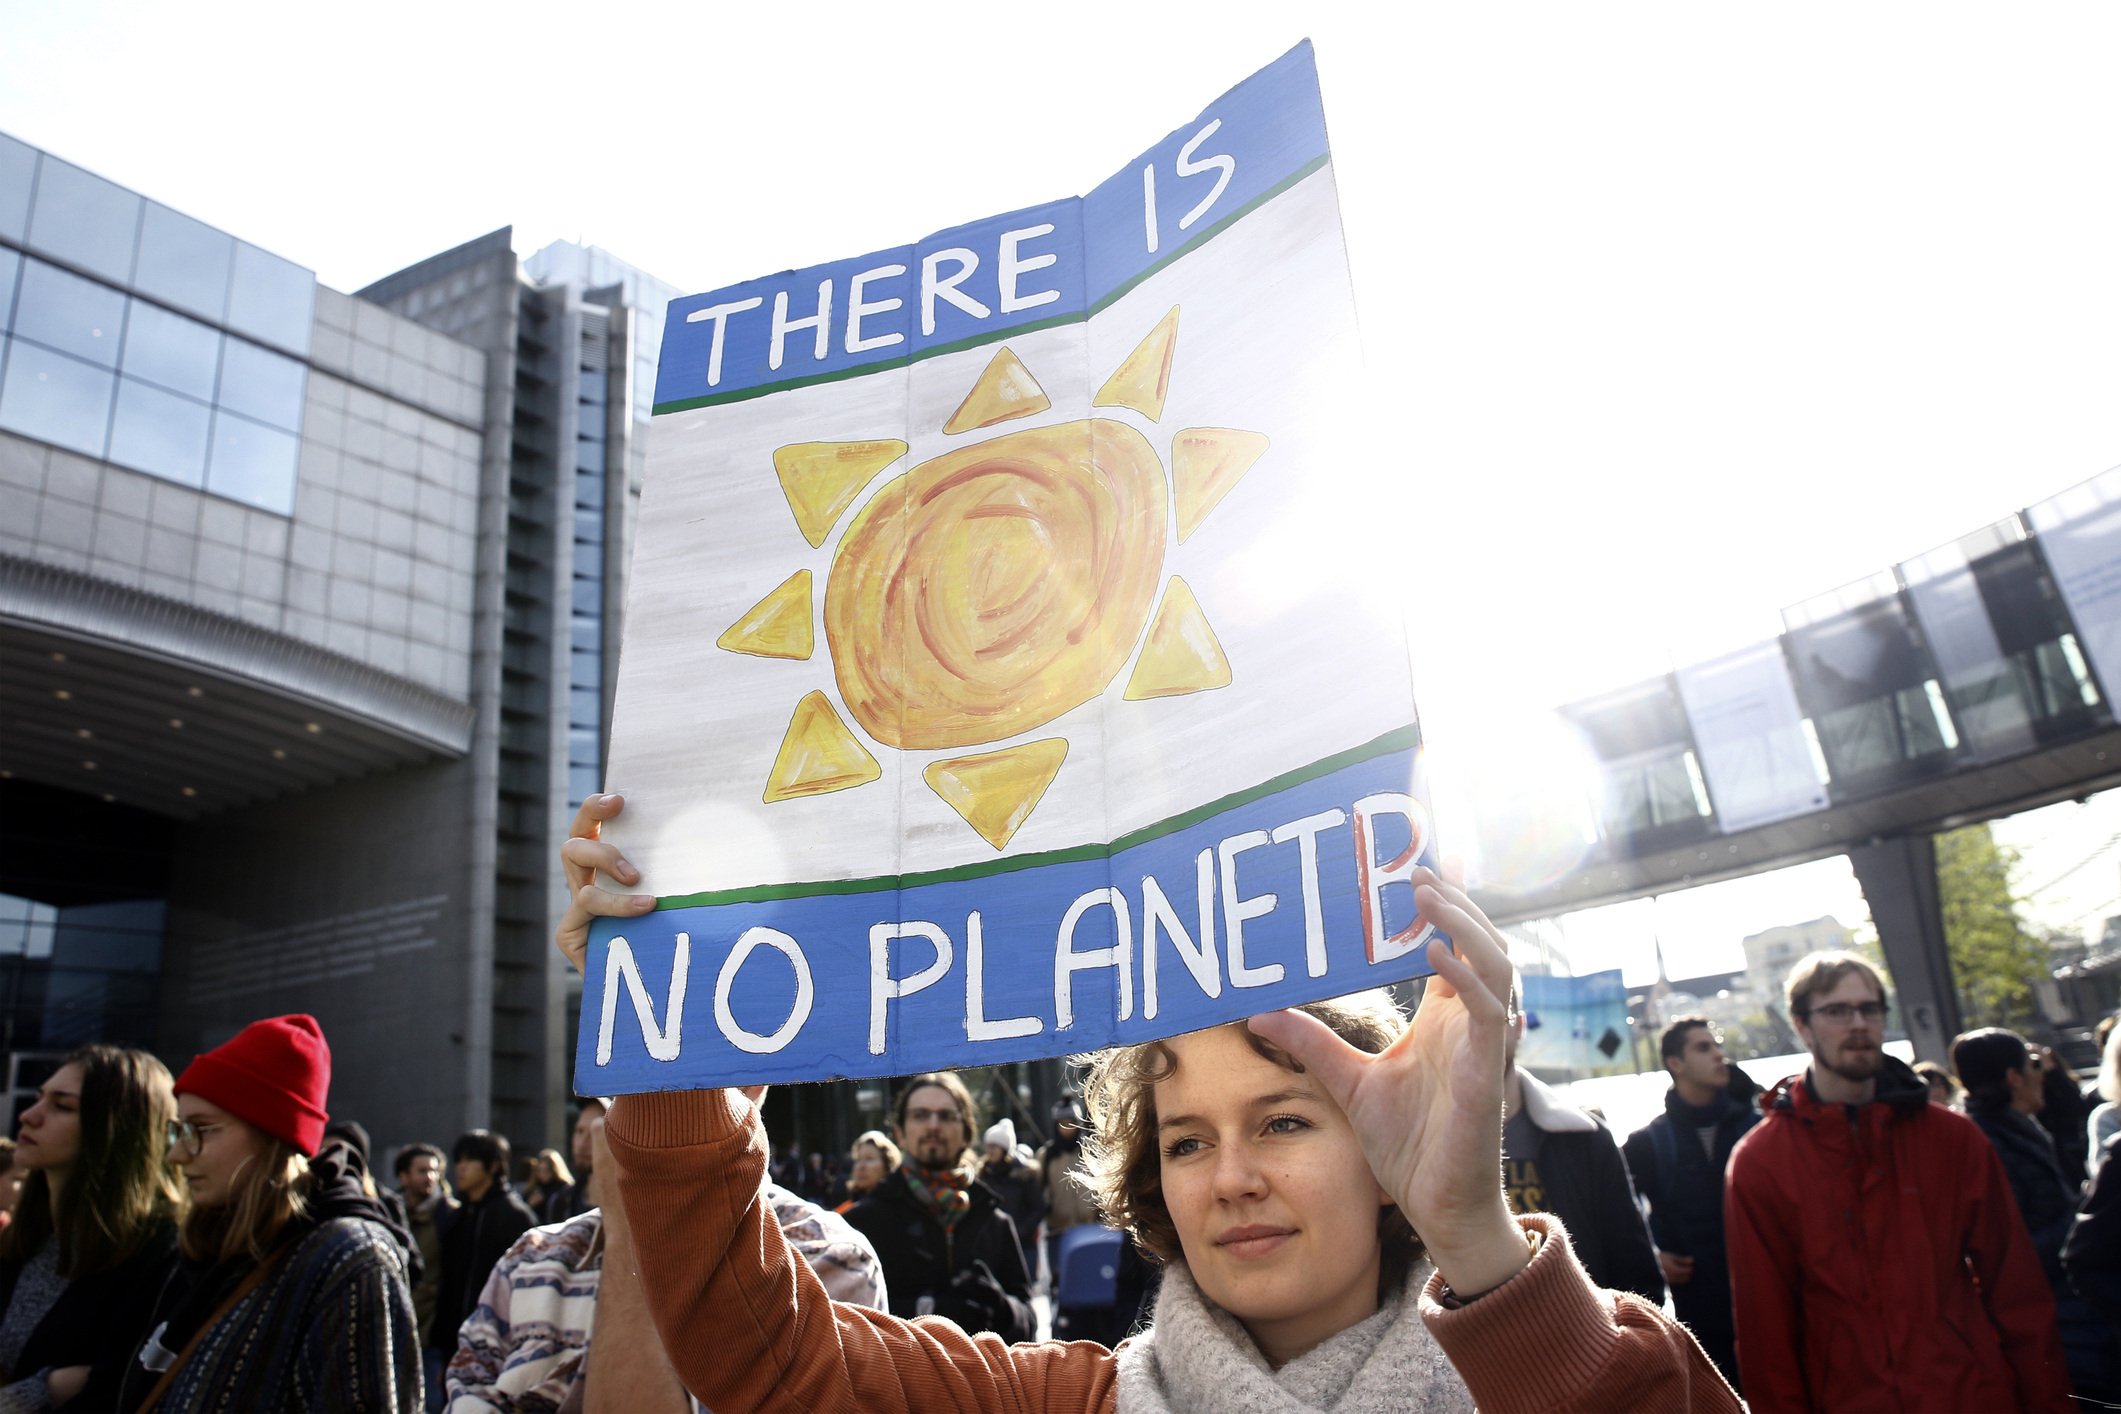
(330, 1329)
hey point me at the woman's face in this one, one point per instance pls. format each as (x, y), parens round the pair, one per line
(1265, 1180)
(868, 1168)
(227, 1146)
(49, 1135)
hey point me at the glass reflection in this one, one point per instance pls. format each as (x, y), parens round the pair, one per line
(87, 221)
(169, 350)
(56, 399)
(18, 169)
(183, 261)
(261, 384)
(252, 463)
(271, 298)
(67, 313)
(160, 433)
(10, 268)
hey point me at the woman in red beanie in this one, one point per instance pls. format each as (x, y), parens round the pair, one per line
(95, 1232)
(296, 1294)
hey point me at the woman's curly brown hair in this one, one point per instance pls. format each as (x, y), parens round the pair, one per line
(1125, 1167)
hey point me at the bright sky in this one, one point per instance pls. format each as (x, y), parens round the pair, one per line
(1676, 314)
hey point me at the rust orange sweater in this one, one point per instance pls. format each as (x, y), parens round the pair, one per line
(749, 1327)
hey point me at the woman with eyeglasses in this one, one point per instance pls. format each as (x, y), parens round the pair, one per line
(94, 1231)
(1323, 1187)
(293, 1292)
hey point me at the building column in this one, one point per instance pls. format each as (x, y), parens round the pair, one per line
(1899, 878)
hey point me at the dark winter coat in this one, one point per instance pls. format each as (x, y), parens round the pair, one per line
(99, 1319)
(2047, 1201)
(329, 1328)
(1587, 1187)
(1021, 1195)
(1878, 1260)
(922, 1262)
(474, 1237)
(1686, 1209)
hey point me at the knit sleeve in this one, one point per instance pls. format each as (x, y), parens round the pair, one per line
(1598, 1350)
(749, 1325)
(26, 1396)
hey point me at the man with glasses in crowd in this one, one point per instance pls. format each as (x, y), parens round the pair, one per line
(946, 1246)
(1877, 1258)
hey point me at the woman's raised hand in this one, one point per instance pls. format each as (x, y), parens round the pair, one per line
(581, 858)
(1429, 1108)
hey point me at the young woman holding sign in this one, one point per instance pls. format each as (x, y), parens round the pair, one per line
(1292, 1171)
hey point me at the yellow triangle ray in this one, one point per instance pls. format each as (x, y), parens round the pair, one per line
(996, 790)
(778, 626)
(1145, 377)
(1181, 654)
(1205, 463)
(1006, 390)
(818, 755)
(821, 479)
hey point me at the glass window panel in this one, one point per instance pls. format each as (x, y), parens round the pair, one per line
(183, 261)
(582, 782)
(262, 384)
(588, 524)
(10, 268)
(70, 314)
(271, 298)
(588, 560)
(590, 422)
(253, 463)
(589, 456)
(582, 746)
(160, 433)
(56, 399)
(588, 596)
(587, 669)
(167, 349)
(18, 169)
(587, 631)
(85, 220)
(585, 705)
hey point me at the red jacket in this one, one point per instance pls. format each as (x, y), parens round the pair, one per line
(1878, 1261)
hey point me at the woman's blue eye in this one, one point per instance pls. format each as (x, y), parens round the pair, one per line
(1179, 1148)
(1286, 1124)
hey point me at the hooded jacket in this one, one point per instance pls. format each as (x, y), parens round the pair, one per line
(1878, 1260)
(1586, 1186)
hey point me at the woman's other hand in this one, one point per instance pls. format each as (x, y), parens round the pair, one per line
(1429, 1108)
(581, 859)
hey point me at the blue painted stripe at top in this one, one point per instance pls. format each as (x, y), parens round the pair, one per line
(978, 281)
(1276, 901)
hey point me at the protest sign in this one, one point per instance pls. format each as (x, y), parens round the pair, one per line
(1000, 679)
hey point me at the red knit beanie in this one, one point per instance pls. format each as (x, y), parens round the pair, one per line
(274, 1075)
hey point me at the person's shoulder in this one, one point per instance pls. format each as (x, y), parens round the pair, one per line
(348, 1245)
(570, 1244)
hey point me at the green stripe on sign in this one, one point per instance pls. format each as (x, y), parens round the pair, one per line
(1398, 739)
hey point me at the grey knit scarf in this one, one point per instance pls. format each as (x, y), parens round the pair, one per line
(1197, 1359)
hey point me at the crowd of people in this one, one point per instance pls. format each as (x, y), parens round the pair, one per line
(1339, 1207)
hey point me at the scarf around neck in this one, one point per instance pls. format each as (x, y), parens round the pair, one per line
(1197, 1359)
(940, 1191)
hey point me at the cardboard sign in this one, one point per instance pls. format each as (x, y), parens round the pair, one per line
(999, 680)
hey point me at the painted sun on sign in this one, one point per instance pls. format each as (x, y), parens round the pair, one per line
(996, 587)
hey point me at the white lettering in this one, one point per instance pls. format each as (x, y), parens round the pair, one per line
(1222, 164)
(805, 992)
(1067, 962)
(1009, 266)
(719, 314)
(883, 987)
(1372, 876)
(932, 288)
(1237, 910)
(1305, 833)
(619, 966)
(858, 307)
(1159, 916)
(783, 326)
(1149, 205)
(977, 1027)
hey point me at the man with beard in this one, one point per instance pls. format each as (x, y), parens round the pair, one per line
(1677, 1161)
(946, 1246)
(1877, 1258)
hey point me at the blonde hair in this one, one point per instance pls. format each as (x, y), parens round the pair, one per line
(2110, 1066)
(1125, 1167)
(270, 1191)
(885, 1149)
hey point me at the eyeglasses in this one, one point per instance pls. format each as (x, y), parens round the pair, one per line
(1840, 1013)
(185, 1138)
(932, 1117)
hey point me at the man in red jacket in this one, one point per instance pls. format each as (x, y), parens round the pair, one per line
(1877, 1257)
